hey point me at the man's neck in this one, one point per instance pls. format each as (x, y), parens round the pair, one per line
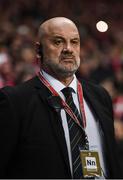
(64, 80)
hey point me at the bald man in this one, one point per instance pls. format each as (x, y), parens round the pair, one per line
(36, 137)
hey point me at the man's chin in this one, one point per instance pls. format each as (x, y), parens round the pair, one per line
(66, 72)
(69, 67)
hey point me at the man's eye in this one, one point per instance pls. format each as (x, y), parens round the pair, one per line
(57, 42)
(75, 42)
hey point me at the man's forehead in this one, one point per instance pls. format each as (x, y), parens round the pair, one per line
(59, 26)
(59, 35)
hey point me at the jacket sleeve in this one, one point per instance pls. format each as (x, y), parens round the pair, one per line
(8, 133)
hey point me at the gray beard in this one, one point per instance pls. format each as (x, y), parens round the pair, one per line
(59, 71)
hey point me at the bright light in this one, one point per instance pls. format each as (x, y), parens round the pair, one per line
(102, 26)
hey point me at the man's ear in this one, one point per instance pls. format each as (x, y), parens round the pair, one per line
(39, 50)
(39, 54)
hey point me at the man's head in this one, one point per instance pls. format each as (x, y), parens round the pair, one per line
(59, 47)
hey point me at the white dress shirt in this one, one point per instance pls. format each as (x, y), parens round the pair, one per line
(92, 128)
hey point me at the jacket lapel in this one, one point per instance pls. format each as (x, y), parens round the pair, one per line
(55, 120)
(99, 111)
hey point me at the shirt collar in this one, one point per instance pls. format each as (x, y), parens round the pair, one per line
(56, 84)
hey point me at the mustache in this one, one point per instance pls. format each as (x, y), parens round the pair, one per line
(67, 56)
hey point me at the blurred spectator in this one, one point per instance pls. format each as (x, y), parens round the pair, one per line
(118, 107)
(27, 54)
(119, 80)
(24, 72)
(118, 124)
(6, 70)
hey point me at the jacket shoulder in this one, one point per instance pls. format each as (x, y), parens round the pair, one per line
(19, 95)
(97, 92)
(93, 87)
(21, 89)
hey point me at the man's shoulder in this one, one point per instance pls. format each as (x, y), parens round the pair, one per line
(87, 84)
(24, 88)
(96, 91)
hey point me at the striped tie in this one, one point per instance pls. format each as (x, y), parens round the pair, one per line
(78, 137)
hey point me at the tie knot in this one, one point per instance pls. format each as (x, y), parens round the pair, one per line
(67, 91)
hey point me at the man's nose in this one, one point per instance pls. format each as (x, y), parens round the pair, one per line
(68, 48)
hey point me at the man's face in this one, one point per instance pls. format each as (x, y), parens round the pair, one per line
(61, 50)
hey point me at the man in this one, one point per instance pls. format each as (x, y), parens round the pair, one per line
(35, 136)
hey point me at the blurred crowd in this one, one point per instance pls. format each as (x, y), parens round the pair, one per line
(101, 53)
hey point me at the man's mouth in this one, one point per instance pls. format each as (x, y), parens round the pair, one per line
(67, 58)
